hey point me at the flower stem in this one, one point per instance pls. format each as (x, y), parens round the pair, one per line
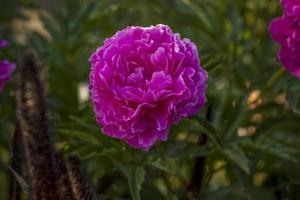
(275, 77)
(195, 185)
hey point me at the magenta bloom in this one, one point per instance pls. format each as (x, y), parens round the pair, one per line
(6, 68)
(286, 31)
(143, 80)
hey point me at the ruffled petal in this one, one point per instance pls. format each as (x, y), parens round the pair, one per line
(143, 80)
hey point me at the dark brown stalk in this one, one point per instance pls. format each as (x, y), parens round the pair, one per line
(198, 172)
(81, 187)
(16, 165)
(195, 184)
(63, 182)
(275, 184)
(51, 178)
(33, 118)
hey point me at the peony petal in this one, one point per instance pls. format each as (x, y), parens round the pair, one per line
(143, 80)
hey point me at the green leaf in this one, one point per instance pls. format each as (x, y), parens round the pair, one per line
(273, 147)
(275, 125)
(197, 151)
(237, 156)
(51, 27)
(20, 180)
(135, 176)
(214, 63)
(293, 96)
(83, 123)
(166, 165)
(209, 130)
(79, 135)
(239, 115)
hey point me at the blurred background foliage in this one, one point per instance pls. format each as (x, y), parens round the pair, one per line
(254, 105)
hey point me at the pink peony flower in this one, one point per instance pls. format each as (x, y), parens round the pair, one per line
(143, 80)
(6, 68)
(286, 31)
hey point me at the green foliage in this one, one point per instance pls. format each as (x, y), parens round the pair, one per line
(135, 176)
(253, 134)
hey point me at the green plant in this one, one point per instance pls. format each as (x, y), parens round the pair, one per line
(252, 149)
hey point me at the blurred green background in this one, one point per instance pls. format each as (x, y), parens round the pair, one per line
(255, 105)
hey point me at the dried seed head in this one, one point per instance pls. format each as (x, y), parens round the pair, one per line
(82, 189)
(33, 118)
